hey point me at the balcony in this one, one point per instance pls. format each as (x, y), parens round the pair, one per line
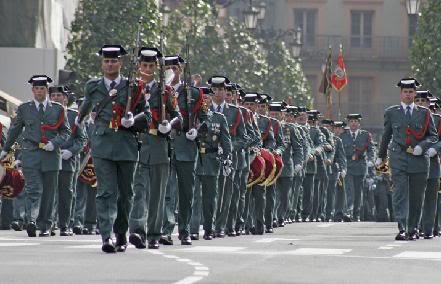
(381, 48)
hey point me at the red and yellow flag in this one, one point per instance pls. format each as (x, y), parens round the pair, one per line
(339, 78)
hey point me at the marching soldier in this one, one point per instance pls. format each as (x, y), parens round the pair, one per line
(114, 144)
(239, 141)
(408, 132)
(69, 155)
(153, 168)
(213, 136)
(184, 148)
(359, 156)
(422, 98)
(45, 128)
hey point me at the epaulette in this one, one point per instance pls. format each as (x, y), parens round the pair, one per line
(395, 107)
(233, 106)
(55, 103)
(92, 84)
(72, 110)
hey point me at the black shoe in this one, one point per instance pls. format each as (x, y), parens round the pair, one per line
(275, 224)
(108, 246)
(347, 218)
(53, 233)
(231, 233)
(186, 241)
(153, 244)
(428, 237)
(281, 223)
(401, 236)
(65, 232)
(16, 226)
(77, 230)
(208, 236)
(413, 236)
(121, 242)
(44, 233)
(253, 230)
(31, 229)
(86, 231)
(165, 240)
(137, 240)
(194, 237)
(238, 233)
(220, 234)
(269, 230)
(436, 233)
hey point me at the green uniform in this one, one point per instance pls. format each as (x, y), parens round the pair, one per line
(358, 151)
(212, 134)
(153, 169)
(335, 200)
(69, 170)
(40, 167)
(114, 152)
(409, 172)
(184, 158)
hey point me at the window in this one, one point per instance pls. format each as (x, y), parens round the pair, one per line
(306, 20)
(361, 95)
(361, 28)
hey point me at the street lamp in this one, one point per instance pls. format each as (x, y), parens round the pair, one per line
(262, 10)
(251, 16)
(165, 12)
(297, 43)
(413, 7)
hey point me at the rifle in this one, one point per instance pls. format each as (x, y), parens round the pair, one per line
(187, 83)
(132, 70)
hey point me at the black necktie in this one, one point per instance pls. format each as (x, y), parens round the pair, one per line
(41, 110)
(218, 108)
(353, 136)
(408, 114)
(112, 85)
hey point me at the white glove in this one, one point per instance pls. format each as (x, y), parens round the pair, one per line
(378, 162)
(66, 154)
(49, 146)
(343, 173)
(191, 134)
(3, 154)
(297, 168)
(417, 151)
(370, 181)
(370, 164)
(128, 122)
(17, 164)
(318, 151)
(432, 152)
(77, 122)
(164, 127)
(226, 170)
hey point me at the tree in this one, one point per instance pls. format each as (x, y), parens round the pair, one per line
(99, 22)
(426, 47)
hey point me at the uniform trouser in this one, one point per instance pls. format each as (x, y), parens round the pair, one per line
(295, 193)
(437, 227)
(330, 196)
(408, 198)
(429, 207)
(238, 191)
(270, 196)
(39, 196)
(114, 195)
(258, 194)
(319, 180)
(284, 187)
(138, 215)
(19, 208)
(65, 194)
(354, 186)
(186, 176)
(248, 210)
(170, 201)
(340, 200)
(6, 212)
(308, 188)
(381, 203)
(226, 187)
(240, 219)
(85, 206)
(368, 203)
(196, 213)
(74, 199)
(209, 186)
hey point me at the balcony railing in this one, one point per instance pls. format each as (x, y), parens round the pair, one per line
(358, 48)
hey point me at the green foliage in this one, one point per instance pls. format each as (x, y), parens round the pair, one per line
(426, 48)
(99, 22)
(228, 49)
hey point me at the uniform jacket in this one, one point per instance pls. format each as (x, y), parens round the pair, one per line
(358, 152)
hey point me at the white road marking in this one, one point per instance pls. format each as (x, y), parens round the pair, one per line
(325, 225)
(183, 260)
(195, 263)
(318, 251)
(419, 255)
(204, 268)
(85, 247)
(18, 244)
(386, 247)
(201, 273)
(170, 256)
(270, 240)
(212, 249)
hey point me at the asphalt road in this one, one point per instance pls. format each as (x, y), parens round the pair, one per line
(299, 253)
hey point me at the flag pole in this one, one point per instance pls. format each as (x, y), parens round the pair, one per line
(339, 105)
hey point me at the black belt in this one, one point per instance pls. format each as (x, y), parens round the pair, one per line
(203, 150)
